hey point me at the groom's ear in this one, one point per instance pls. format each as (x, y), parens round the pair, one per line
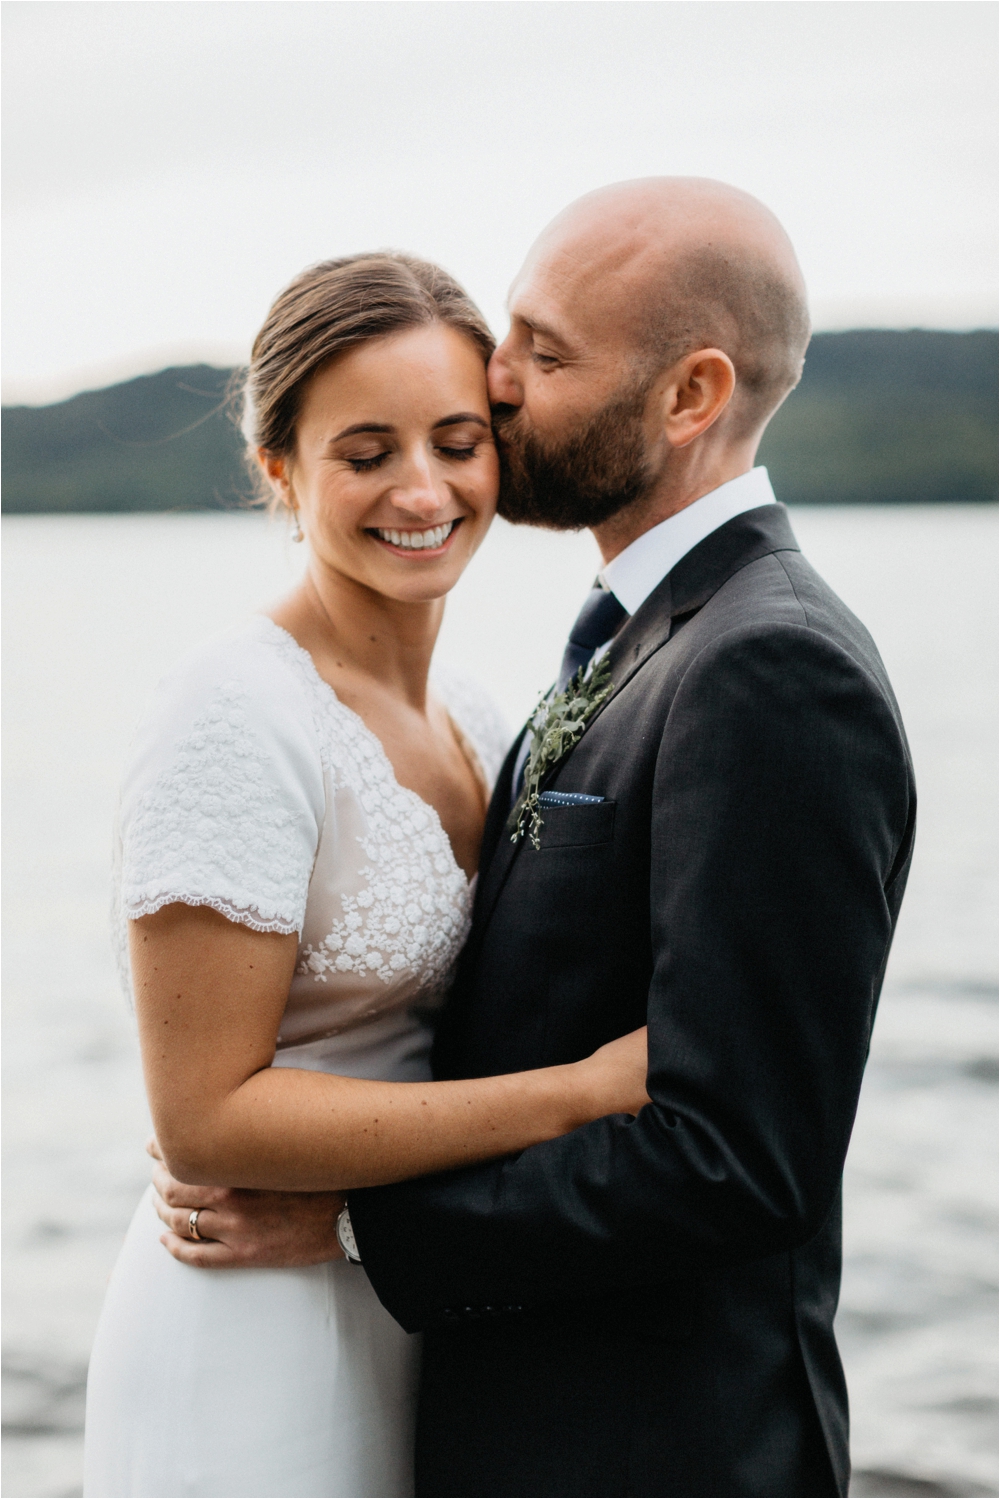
(696, 393)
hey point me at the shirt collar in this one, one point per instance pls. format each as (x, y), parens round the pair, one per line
(635, 572)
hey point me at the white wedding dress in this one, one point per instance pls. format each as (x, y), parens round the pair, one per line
(252, 789)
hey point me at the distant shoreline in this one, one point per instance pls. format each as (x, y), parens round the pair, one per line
(880, 417)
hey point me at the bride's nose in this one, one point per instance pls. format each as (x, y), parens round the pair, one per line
(421, 494)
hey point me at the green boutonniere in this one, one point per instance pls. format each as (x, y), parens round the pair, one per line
(558, 723)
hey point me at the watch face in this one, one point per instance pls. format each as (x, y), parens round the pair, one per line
(345, 1236)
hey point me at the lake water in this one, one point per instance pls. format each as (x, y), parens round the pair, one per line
(97, 607)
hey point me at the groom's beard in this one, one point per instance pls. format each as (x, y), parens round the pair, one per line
(584, 479)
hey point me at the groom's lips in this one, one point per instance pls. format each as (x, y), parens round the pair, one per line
(432, 542)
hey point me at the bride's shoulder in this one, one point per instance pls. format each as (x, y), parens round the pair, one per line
(477, 713)
(222, 798)
(253, 662)
(241, 695)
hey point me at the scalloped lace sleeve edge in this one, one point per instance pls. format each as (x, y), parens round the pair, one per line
(242, 916)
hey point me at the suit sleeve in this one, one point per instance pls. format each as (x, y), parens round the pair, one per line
(782, 817)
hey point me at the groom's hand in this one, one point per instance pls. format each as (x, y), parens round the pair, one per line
(244, 1229)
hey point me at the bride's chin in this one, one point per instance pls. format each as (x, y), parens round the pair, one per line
(432, 583)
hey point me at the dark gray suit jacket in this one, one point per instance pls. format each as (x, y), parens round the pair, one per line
(646, 1306)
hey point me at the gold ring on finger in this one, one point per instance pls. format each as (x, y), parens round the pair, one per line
(193, 1225)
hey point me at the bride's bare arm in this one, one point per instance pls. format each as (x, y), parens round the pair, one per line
(209, 999)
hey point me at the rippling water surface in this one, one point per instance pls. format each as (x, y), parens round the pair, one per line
(97, 607)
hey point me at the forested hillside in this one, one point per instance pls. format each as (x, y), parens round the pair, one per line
(880, 416)
(889, 417)
(162, 442)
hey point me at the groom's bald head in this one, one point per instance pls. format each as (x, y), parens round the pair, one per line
(654, 328)
(672, 264)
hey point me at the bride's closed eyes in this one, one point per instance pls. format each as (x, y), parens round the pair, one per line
(366, 464)
(362, 465)
(462, 454)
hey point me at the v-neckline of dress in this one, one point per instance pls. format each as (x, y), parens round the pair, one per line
(374, 740)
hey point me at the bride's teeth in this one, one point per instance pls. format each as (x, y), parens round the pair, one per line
(420, 541)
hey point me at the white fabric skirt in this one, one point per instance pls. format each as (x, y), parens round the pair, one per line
(246, 1382)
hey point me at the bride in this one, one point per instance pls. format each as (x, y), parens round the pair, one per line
(299, 829)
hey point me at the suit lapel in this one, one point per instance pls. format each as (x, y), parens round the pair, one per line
(685, 589)
(689, 586)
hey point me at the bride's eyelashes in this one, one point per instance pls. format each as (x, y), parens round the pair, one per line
(365, 465)
(462, 454)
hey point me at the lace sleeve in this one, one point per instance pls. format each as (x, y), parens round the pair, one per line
(477, 715)
(222, 802)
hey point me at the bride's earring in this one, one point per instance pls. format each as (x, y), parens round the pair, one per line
(297, 534)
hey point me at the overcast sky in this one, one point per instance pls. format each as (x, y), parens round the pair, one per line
(170, 165)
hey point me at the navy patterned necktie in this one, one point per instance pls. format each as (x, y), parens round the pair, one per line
(595, 624)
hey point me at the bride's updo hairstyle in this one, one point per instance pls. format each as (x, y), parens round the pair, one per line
(334, 306)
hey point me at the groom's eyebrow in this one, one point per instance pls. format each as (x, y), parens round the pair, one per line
(537, 326)
(543, 329)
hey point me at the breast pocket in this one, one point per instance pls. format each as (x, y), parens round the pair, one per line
(576, 824)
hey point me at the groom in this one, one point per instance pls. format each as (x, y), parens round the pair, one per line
(646, 1306)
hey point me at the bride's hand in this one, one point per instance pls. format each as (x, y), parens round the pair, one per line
(242, 1228)
(616, 1074)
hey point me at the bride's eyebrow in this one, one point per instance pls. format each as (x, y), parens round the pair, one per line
(384, 430)
(362, 427)
(460, 416)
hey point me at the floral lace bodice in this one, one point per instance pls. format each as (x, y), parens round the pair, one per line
(252, 789)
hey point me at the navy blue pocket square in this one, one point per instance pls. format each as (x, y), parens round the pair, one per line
(567, 799)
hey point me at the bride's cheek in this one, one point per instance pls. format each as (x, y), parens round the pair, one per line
(487, 489)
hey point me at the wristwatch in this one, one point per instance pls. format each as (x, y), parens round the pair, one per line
(345, 1236)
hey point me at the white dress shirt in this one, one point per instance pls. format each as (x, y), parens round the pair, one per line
(634, 573)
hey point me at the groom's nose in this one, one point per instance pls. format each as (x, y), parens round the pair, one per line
(503, 386)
